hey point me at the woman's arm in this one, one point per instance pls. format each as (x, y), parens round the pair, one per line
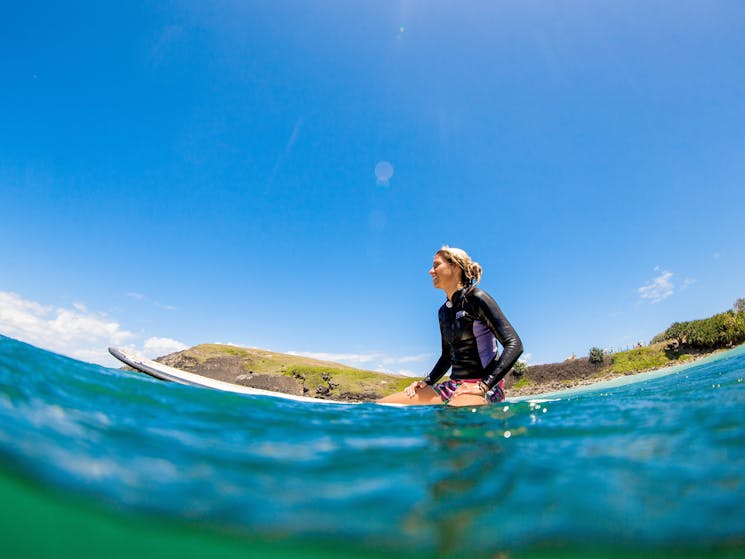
(489, 312)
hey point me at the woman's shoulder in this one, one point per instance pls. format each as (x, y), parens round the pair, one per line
(478, 293)
(477, 296)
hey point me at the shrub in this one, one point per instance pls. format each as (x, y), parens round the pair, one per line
(596, 355)
(721, 330)
(639, 359)
(518, 369)
(523, 383)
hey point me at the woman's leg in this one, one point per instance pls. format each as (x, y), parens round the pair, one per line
(462, 400)
(422, 397)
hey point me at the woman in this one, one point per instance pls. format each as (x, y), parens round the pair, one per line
(471, 322)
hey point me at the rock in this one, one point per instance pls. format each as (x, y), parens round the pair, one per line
(224, 368)
(366, 396)
(275, 383)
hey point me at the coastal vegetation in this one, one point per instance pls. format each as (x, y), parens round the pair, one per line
(722, 330)
(319, 381)
(522, 383)
(596, 355)
(519, 368)
(640, 359)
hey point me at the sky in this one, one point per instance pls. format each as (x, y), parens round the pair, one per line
(279, 174)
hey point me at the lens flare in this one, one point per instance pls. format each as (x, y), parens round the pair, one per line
(383, 173)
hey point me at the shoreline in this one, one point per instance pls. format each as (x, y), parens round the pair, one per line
(582, 384)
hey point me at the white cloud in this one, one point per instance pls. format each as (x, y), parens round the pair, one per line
(155, 347)
(658, 288)
(402, 372)
(356, 358)
(84, 334)
(409, 358)
(76, 332)
(374, 360)
(348, 358)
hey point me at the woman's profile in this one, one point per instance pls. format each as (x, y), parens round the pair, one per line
(471, 324)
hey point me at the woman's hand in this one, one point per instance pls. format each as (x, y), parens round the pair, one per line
(476, 388)
(413, 387)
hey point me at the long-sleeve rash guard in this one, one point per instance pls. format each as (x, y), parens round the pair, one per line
(470, 325)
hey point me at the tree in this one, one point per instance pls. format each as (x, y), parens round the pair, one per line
(740, 305)
(596, 355)
(519, 368)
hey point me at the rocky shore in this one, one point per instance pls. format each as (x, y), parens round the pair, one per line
(572, 373)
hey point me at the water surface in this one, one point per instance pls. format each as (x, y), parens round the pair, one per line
(96, 460)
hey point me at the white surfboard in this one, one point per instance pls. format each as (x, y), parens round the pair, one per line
(164, 372)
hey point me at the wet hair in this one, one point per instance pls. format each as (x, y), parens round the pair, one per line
(471, 270)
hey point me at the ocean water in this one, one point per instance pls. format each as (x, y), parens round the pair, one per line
(99, 462)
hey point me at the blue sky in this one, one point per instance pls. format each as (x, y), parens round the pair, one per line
(173, 173)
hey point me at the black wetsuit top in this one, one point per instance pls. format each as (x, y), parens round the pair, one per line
(470, 325)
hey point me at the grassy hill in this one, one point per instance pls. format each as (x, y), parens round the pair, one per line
(281, 372)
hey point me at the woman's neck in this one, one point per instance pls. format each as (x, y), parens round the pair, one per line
(449, 291)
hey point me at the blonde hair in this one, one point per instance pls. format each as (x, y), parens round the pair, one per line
(471, 270)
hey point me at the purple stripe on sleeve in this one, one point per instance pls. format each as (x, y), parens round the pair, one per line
(485, 341)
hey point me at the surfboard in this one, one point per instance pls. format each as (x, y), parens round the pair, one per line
(172, 374)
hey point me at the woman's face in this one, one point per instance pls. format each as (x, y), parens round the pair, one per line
(444, 274)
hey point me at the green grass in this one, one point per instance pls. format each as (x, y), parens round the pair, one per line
(259, 360)
(355, 381)
(205, 351)
(522, 383)
(639, 359)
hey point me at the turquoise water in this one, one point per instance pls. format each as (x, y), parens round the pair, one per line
(652, 467)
